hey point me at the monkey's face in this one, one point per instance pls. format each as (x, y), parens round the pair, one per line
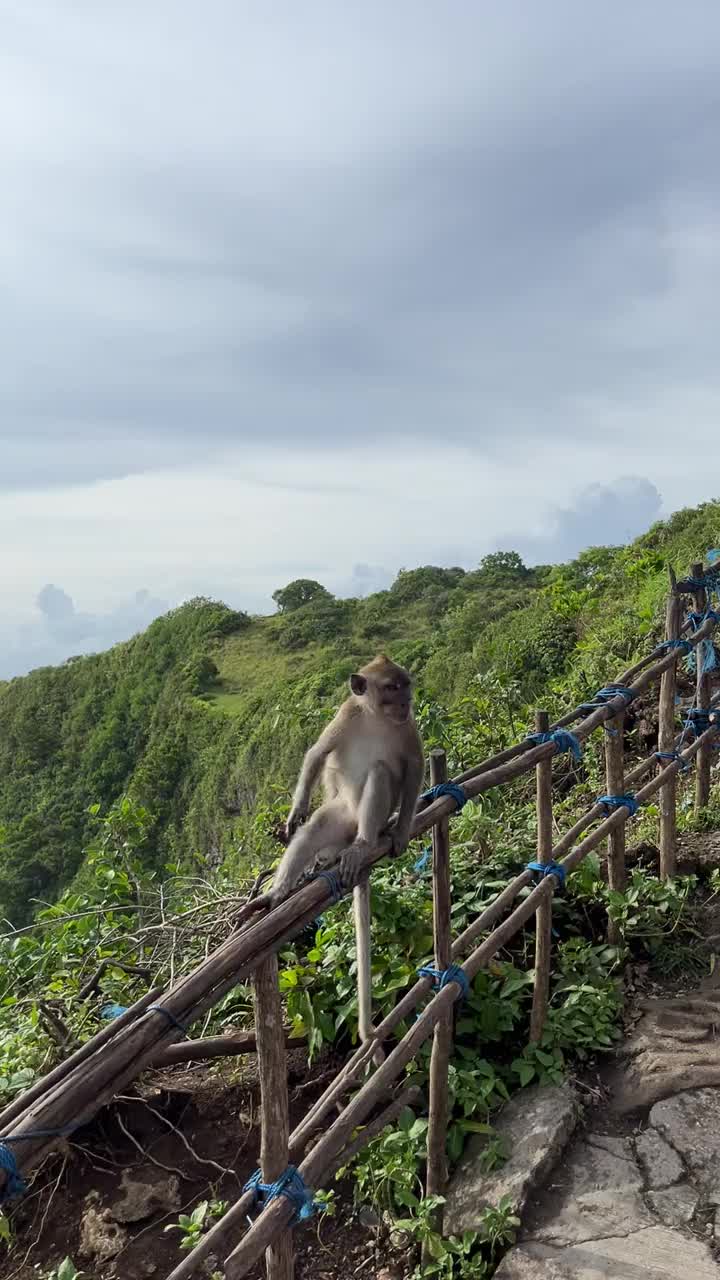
(386, 689)
(395, 698)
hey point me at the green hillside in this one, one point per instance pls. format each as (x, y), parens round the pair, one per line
(203, 718)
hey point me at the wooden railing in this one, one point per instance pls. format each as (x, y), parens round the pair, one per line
(74, 1092)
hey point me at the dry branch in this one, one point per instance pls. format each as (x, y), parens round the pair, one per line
(228, 1046)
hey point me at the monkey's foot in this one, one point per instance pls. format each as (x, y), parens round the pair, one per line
(351, 867)
(676, 1046)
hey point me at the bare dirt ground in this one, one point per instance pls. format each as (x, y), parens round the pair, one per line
(185, 1135)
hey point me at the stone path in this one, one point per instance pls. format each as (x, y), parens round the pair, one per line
(641, 1207)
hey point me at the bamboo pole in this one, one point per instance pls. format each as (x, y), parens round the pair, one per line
(702, 701)
(272, 1066)
(520, 748)
(666, 742)
(278, 1214)
(215, 1240)
(615, 782)
(443, 1035)
(543, 917)
(363, 958)
(228, 1046)
(86, 1051)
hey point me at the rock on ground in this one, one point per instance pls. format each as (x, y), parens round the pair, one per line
(100, 1237)
(143, 1197)
(625, 1209)
(654, 1253)
(674, 1049)
(534, 1128)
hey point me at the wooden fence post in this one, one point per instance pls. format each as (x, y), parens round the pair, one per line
(361, 913)
(615, 782)
(443, 1033)
(272, 1068)
(702, 702)
(543, 915)
(666, 742)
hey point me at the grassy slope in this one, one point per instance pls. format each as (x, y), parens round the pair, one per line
(211, 751)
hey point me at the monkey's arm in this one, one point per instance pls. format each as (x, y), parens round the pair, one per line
(309, 773)
(412, 782)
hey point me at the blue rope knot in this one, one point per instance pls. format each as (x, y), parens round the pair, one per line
(607, 694)
(543, 869)
(697, 718)
(696, 619)
(443, 977)
(110, 1011)
(674, 755)
(292, 1186)
(14, 1184)
(159, 1008)
(446, 789)
(422, 861)
(609, 803)
(564, 741)
(683, 645)
(332, 880)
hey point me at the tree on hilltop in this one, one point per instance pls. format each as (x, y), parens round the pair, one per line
(296, 594)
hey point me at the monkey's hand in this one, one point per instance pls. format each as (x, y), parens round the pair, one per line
(298, 814)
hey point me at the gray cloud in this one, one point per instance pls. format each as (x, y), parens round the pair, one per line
(601, 515)
(367, 223)
(60, 631)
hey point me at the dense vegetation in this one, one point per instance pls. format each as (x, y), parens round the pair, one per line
(167, 763)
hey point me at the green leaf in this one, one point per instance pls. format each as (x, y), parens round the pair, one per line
(67, 1270)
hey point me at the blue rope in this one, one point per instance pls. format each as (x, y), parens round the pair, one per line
(332, 879)
(697, 619)
(32, 1134)
(563, 740)
(674, 755)
(422, 861)
(443, 977)
(14, 1184)
(608, 803)
(607, 694)
(548, 869)
(684, 645)
(698, 719)
(110, 1011)
(158, 1008)
(292, 1186)
(447, 789)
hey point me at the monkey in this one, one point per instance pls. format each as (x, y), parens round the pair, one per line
(372, 761)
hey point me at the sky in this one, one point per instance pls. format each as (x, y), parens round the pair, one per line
(329, 290)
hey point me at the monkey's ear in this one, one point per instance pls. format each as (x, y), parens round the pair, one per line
(358, 684)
